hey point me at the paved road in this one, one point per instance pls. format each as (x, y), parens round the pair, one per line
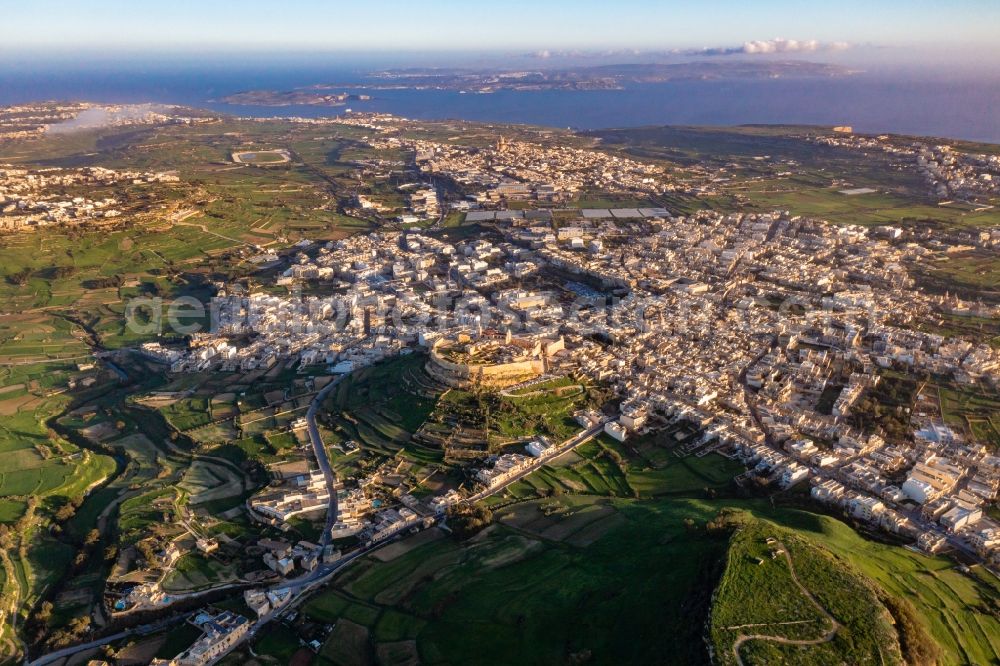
(302, 585)
(322, 459)
(53, 657)
(70, 651)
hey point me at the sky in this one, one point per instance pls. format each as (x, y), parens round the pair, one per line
(31, 27)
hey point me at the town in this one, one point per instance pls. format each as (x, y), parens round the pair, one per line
(812, 313)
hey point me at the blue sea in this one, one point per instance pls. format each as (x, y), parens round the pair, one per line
(904, 102)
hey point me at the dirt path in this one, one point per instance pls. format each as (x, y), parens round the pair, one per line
(825, 638)
(210, 232)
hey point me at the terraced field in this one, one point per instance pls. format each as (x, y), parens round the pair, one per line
(605, 467)
(382, 409)
(195, 571)
(39, 470)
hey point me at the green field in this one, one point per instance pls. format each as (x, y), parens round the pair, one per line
(808, 198)
(39, 469)
(505, 597)
(950, 604)
(381, 408)
(277, 642)
(195, 572)
(545, 408)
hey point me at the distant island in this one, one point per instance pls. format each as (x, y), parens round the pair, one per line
(602, 77)
(316, 96)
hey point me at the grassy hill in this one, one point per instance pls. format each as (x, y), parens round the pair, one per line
(783, 599)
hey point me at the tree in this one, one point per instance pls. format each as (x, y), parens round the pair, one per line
(79, 625)
(43, 614)
(65, 512)
(93, 536)
(147, 550)
(19, 278)
(466, 520)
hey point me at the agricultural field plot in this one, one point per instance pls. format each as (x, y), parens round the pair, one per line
(976, 328)
(380, 386)
(223, 406)
(820, 174)
(573, 519)
(972, 411)
(88, 275)
(347, 645)
(278, 642)
(215, 210)
(140, 514)
(187, 413)
(877, 208)
(11, 510)
(34, 460)
(214, 433)
(686, 475)
(594, 471)
(148, 462)
(208, 481)
(46, 560)
(972, 275)
(465, 421)
(241, 450)
(26, 338)
(195, 571)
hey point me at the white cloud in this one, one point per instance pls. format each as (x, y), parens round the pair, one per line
(777, 45)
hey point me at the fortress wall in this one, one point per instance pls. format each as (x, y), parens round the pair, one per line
(462, 375)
